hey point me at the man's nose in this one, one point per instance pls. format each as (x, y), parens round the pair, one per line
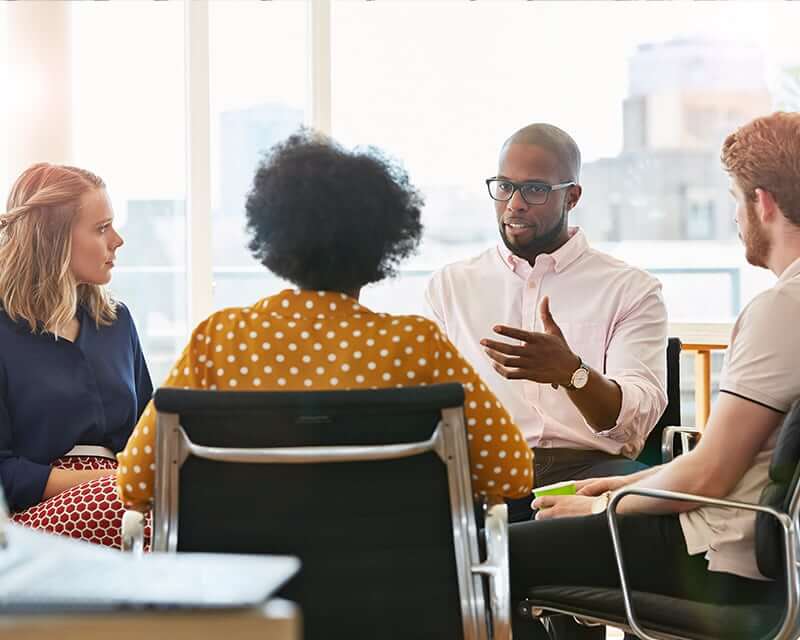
(516, 203)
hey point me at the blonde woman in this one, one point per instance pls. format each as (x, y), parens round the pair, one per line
(73, 379)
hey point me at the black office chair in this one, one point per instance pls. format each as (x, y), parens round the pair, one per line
(652, 616)
(652, 453)
(370, 489)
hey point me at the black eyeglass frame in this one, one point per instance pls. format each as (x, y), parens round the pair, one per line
(518, 187)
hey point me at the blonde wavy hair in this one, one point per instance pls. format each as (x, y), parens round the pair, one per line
(36, 283)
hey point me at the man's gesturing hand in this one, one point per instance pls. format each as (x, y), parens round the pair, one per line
(543, 357)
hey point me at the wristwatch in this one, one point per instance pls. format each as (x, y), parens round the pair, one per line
(579, 377)
(600, 503)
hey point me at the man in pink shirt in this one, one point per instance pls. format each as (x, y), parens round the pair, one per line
(582, 368)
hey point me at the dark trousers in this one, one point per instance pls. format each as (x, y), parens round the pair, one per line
(579, 551)
(556, 465)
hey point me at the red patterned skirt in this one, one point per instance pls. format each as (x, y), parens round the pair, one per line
(90, 511)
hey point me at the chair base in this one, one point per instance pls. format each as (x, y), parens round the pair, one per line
(662, 615)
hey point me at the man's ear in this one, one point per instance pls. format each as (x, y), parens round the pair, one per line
(766, 206)
(573, 196)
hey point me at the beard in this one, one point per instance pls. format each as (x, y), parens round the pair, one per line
(756, 243)
(543, 243)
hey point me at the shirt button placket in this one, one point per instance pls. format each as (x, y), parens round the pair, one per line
(530, 302)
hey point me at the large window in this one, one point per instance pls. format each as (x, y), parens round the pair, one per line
(258, 61)
(128, 126)
(649, 98)
(438, 84)
(4, 106)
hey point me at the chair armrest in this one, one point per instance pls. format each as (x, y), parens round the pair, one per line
(789, 542)
(668, 440)
(133, 532)
(496, 567)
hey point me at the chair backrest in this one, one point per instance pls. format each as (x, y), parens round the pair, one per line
(386, 535)
(651, 452)
(781, 493)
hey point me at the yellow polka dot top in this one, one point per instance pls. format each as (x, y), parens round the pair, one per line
(313, 340)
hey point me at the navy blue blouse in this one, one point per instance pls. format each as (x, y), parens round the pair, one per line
(55, 394)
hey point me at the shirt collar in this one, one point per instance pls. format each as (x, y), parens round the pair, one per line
(791, 271)
(560, 259)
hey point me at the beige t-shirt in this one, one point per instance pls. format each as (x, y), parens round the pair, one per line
(760, 366)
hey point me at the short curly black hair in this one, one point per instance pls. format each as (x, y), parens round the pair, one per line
(329, 219)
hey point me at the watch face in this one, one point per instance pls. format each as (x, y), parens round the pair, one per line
(580, 378)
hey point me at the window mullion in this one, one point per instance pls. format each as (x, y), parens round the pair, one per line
(319, 114)
(198, 161)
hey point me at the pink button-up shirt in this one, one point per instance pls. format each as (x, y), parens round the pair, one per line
(612, 316)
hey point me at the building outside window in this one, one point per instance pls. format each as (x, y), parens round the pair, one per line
(438, 85)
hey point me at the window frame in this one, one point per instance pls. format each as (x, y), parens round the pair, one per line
(199, 271)
(200, 278)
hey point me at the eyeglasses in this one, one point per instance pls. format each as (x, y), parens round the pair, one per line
(531, 192)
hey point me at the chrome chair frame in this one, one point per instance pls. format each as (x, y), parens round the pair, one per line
(448, 441)
(788, 521)
(687, 434)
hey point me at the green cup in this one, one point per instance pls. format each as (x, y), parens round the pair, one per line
(566, 488)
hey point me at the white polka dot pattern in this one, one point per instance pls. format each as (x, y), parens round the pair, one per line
(315, 340)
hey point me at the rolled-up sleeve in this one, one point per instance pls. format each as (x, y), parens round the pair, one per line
(636, 359)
